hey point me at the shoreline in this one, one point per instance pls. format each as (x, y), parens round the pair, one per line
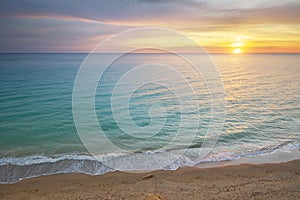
(13, 170)
(262, 181)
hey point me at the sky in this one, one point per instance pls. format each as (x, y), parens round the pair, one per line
(220, 26)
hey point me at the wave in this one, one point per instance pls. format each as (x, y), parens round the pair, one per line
(15, 169)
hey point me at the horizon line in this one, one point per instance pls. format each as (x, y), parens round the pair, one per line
(147, 53)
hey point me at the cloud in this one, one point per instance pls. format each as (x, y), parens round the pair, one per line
(122, 11)
(52, 35)
(31, 24)
(150, 12)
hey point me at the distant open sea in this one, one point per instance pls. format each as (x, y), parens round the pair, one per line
(38, 135)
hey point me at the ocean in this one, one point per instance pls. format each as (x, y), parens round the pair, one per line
(38, 135)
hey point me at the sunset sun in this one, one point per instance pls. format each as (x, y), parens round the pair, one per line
(237, 46)
(237, 51)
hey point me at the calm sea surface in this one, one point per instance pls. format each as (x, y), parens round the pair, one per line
(38, 135)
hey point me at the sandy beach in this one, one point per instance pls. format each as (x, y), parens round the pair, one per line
(264, 181)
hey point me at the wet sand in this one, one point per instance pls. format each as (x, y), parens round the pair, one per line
(264, 181)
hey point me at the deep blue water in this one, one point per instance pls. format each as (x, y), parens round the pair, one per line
(38, 135)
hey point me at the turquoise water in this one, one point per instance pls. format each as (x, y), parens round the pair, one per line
(38, 135)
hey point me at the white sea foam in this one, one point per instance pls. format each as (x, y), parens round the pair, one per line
(16, 169)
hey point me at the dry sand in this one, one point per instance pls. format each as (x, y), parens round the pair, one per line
(265, 181)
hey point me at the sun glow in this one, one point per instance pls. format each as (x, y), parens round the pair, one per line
(237, 51)
(237, 46)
